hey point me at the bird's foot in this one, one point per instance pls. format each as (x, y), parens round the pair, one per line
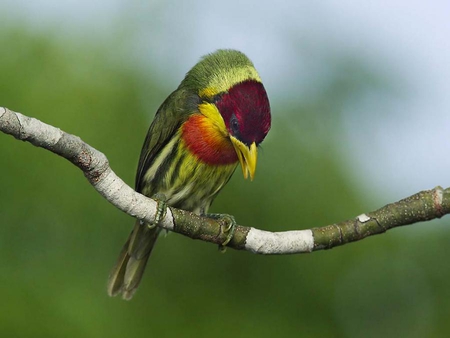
(161, 209)
(229, 229)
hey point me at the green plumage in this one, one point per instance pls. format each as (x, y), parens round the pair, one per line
(220, 71)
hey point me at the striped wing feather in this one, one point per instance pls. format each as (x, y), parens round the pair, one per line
(170, 116)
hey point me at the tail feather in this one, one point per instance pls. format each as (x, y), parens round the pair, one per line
(129, 269)
(116, 277)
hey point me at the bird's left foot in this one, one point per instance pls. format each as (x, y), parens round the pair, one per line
(161, 208)
(229, 229)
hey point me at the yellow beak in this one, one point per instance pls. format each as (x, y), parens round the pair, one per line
(247, 157)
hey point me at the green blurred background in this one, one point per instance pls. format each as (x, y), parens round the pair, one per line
(341, 144)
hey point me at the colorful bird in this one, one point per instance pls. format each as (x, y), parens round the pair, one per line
(214, 120)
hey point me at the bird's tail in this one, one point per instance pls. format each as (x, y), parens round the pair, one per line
(129, 269)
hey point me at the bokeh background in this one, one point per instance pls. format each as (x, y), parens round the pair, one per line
(359, 94)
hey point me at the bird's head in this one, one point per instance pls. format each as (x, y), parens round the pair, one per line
(235, 103)
(246, 112)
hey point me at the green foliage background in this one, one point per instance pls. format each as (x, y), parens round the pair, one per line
(59, 238)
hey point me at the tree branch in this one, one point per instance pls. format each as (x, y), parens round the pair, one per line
(423, 206)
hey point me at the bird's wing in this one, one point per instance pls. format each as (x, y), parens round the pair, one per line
(174, 111)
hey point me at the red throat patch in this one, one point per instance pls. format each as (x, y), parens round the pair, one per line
(204, 140)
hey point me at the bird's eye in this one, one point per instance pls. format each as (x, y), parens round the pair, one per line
(234, 124)
(216, 98)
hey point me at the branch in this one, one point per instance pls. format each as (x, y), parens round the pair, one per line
(423, 206)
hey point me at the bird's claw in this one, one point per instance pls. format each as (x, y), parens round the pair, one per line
(229, 229)
(161, 209)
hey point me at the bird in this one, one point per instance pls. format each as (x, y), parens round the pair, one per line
(214, 121)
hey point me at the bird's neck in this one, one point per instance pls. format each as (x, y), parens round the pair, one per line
(207, 138)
